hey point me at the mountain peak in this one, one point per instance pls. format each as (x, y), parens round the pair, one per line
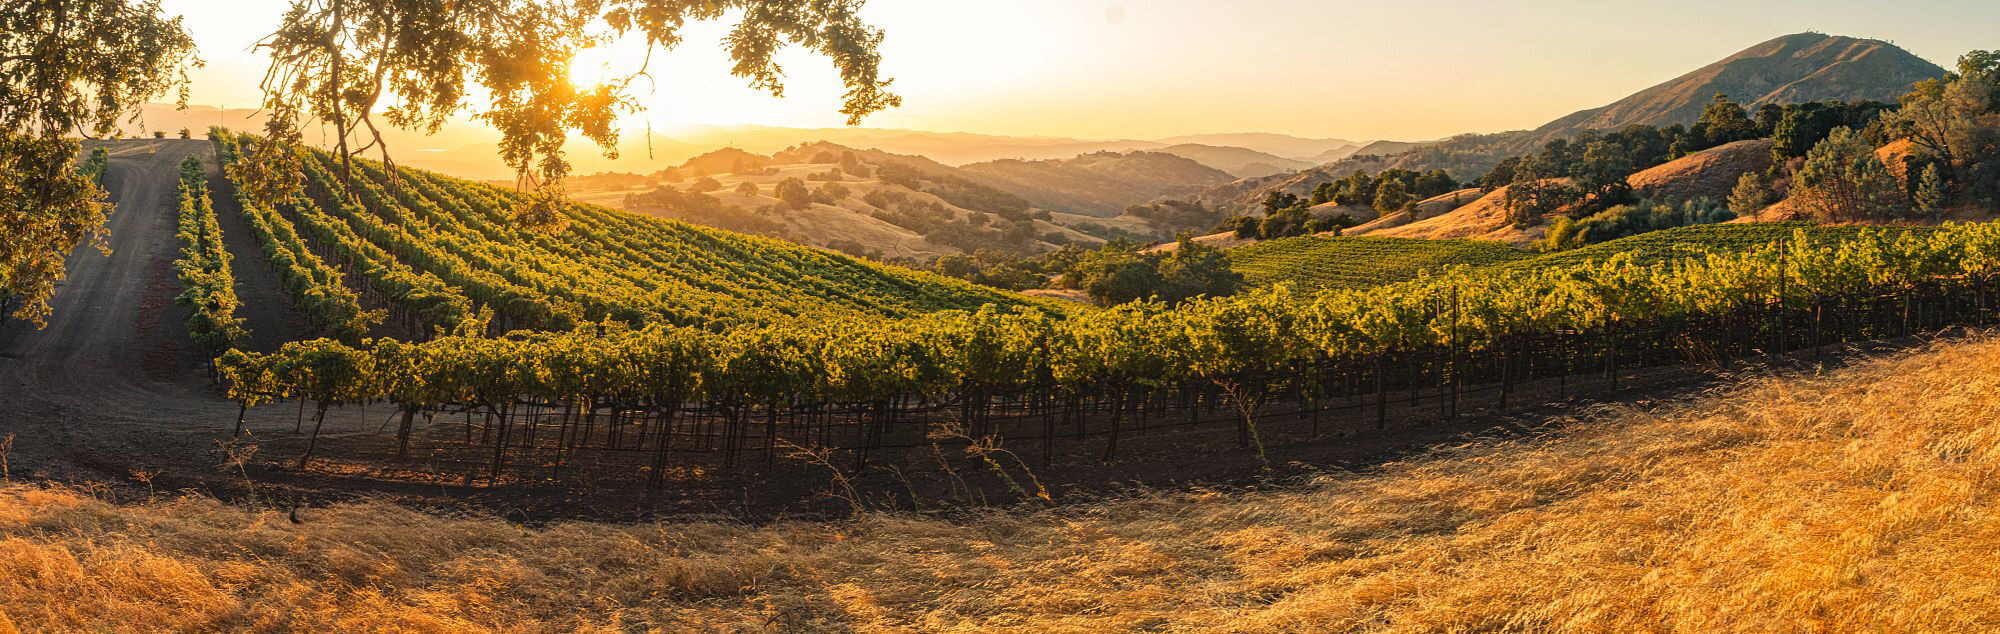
(1786, 69)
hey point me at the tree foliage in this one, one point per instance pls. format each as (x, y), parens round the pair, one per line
(1630, 220)
(1725, 121)
(1843, 180)
(1119, 273)
(1751, 195)
(417, 64)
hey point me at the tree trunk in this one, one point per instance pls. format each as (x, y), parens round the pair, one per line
(319, 420)
(403, 432)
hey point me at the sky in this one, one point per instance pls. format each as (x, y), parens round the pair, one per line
(1149, 69)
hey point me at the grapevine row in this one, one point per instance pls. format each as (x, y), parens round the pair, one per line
(208, 288)
(316, 288)
(418, 297)
(1249, 347)
(634, 269)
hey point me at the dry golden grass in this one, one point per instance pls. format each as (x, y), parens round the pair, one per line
(1861, 501)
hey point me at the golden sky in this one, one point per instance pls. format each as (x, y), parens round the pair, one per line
(1105, 69)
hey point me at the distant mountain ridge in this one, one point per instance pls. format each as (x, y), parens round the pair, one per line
(1789, 69)
(1284, 145)
(1098, 184)
(1237, 161)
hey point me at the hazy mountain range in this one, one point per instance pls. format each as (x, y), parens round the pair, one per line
(466, 149)
(1788, 69)
(1225, 171)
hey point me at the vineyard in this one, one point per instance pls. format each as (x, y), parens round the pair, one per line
(663, 403)
(1667, 245)
(423, 253)
(1312, 263)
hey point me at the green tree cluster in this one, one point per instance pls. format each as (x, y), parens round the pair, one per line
(1120, 273)
(1629, 220)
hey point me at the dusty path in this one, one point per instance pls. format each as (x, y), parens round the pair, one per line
(110, 385)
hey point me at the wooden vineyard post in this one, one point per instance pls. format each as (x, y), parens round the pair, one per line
(1906, 312)
(1819, 357)
(1381, 391)
(1048, 425)
(1117, 410)
(1451, 412)
(403, 432)
(1778, 303)
(1611, 353)
(500, 441)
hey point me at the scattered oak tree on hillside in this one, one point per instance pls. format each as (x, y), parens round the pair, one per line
(1931, 195)
(793, 191)
(1843, 180)
(1949, 120)
(1120, 273)
(69, 67)
(1751, 195)
(344, 62)
(1391, 196)
(1725, 121)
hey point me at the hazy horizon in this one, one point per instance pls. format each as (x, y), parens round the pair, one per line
(1130, 69)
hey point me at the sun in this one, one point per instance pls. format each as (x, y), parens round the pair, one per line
(596, 66)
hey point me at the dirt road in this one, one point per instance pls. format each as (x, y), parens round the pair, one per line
(110, 386)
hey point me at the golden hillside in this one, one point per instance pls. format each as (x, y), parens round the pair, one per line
(1861, 500)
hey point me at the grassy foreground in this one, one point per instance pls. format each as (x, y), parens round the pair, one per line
(1865, 500)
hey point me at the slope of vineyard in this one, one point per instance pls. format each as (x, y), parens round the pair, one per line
(873, 385)
(1852, 501)
(431, 250)
(1313, 263)
(1683, 242)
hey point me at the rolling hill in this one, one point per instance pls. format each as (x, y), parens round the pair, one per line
(1099, 184)
(1385, 148)
(1334, 154)
(861, 202)
(1284, 145)
(1709, 174)
(1238, 162)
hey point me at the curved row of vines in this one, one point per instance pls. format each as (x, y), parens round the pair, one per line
(208, 288)
(438, 251)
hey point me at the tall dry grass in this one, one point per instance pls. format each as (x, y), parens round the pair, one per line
(1860, 501)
